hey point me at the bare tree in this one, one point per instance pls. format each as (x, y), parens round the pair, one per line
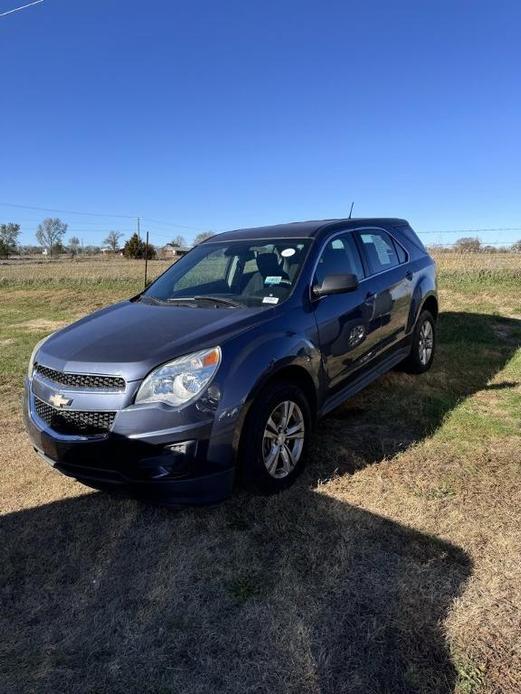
(74, 244)
(112, 240)
(8, 238)
(516, 247)
(468, 244)
(179, 241)
(51, 232)
(202, 237)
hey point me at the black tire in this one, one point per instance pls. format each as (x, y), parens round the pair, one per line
(417, 362)
(254, 472)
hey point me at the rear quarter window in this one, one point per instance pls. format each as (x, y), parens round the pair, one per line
(412, 237)
(402, 255)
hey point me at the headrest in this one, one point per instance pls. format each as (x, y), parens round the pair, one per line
(268, 264)
(372, 254)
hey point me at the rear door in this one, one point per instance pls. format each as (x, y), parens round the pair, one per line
(346, 324)
(388, 285)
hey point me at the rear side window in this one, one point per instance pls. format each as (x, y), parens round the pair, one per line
(379, 250)
(339, 257)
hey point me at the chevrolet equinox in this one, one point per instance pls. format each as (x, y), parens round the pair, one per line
(218, 370)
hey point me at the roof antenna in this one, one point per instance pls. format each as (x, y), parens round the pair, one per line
(351, 210)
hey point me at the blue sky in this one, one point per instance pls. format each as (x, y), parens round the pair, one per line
(221, 115)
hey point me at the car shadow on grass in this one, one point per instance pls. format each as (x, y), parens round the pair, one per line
(300, 592)
(295, 593)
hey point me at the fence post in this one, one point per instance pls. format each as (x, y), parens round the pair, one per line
(146, 261)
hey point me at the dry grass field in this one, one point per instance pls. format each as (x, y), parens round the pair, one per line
(393, 565)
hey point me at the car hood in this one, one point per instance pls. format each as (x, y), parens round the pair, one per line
(131, 338)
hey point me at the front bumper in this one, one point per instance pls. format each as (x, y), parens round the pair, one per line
(167, 468)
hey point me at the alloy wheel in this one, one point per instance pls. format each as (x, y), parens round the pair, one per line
(283, 439)
(425, 342)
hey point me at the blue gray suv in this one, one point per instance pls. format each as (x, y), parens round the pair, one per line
(219, 369)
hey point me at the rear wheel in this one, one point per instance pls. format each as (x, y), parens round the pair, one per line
(423, 345)
(275, 438)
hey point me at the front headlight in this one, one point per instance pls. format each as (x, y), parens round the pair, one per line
(181, 380)
(34, 353)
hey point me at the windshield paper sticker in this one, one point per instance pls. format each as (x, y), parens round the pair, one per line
(288, 252)
(272, 279)
(270, 300)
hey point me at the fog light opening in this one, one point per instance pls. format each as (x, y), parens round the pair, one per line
(182, 448)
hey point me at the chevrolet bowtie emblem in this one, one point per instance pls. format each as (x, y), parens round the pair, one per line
(58, 400)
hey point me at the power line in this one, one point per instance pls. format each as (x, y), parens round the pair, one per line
(172, 224)
(469, 231)
(99, 214)
(22, 7)
(52, 209)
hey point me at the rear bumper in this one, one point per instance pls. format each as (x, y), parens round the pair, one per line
(174, 473)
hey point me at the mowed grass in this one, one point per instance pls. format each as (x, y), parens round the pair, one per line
(391, 566)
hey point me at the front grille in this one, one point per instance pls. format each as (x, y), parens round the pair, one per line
(91, 381)
(73, 421)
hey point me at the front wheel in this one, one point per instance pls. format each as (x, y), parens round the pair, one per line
(275, 438)
(423, 345)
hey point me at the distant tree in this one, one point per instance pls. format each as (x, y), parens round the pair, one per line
(8, 237)
(92, 250)
(516, 247)
(202, 237)
(50, 233)
(133, 247)
(59, 248)
(74, 245)
(149, 251)
(112, 240)
(178, 242)
(30, 250)
(467, 244)
(136, 248)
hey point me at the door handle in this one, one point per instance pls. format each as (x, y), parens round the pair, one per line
(408, 275)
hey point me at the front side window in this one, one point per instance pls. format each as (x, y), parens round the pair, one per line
(339, 257)
(242, 273)
(379, 250)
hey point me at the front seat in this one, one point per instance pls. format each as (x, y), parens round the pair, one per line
(268, 266)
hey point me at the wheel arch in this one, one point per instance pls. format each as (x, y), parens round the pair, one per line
(289, 373)
(423, 298)
(430, 304)
(292, 374)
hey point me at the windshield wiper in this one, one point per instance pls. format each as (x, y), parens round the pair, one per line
(191, 299)
(218, 300)
(145, 299)
(188, 300)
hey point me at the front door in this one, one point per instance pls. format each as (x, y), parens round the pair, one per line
(347, 327)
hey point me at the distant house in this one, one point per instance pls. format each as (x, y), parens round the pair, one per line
(45, 251)
(106, 250)
(170, 251)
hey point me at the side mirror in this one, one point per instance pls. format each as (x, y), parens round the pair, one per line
(336, 284)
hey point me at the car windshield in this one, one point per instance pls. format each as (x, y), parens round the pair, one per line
(232, 273)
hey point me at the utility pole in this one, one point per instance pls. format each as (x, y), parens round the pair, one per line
(139, 228)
